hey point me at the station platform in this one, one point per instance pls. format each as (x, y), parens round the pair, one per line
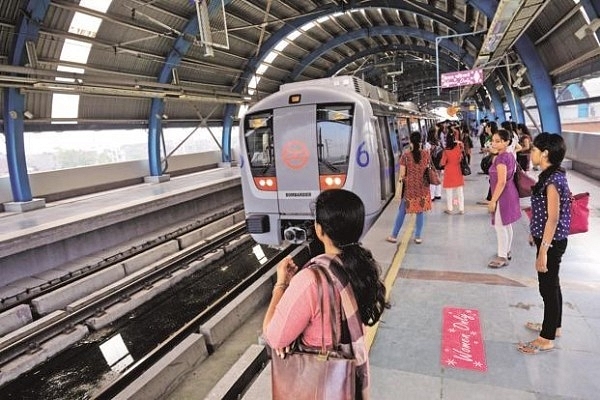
(449, 270)
(65, 231)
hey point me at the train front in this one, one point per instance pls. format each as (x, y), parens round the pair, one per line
(291, 153)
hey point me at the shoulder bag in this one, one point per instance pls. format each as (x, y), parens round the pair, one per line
(430, 176)
(580, 213)
(486, 163)
(316, 374)
(523, 182)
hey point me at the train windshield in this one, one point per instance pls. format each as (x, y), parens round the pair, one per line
(258, 135)
(334, 130)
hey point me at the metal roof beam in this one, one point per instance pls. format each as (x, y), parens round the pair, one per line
(375, 31)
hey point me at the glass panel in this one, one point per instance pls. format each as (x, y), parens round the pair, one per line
(258, 136)
(334, 130)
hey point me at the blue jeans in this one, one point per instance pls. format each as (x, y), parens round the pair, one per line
(400, 220)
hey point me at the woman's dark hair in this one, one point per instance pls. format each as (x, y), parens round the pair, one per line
(432, 137)
(555, 145)
(493, 126)
(415, 140)
(341, 215)
(450, 140)
(524, 129)
(504, 135)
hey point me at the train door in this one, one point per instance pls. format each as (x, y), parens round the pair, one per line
(386, 170)
(295, 142)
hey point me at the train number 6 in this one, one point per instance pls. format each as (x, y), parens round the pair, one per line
(362, 156)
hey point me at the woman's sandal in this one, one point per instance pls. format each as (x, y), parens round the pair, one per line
(498, 263)
(532, 349)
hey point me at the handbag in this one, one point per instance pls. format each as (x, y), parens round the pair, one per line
(464, 165)
(316, 374)
(431, 176)
(523, 182)
(486, 163)
(580, 213)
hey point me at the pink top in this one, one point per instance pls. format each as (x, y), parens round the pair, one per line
(298, 312)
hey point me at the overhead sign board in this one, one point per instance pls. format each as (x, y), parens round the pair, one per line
(462, 78)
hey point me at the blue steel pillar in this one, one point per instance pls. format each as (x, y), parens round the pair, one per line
(542, 86)
(226, 134)
(516, 109)
(496, 101)
(14, 106)
(180, 48)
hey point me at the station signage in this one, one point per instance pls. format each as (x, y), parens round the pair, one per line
(462, 78)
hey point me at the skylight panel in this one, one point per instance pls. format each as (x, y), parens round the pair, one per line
(271, 56)
(261, 69)
(85, 25)
(64, 106)
(96, 5)
(281, 45)
(308, 26)
(75, 51)
(293, 35)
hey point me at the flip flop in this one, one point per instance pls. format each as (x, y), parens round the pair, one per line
(498, 263)
(530, 348)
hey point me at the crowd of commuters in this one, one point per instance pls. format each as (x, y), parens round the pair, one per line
(354, 274)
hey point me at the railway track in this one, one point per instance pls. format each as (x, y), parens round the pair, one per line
(30, 340)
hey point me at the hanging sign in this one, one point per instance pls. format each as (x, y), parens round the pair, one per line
(462, 78)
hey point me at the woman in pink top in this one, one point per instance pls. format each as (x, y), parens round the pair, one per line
(295, 311)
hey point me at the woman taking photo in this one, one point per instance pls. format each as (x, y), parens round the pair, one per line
(295, 309)
(416, 198)
(549, 227)
(504, 203)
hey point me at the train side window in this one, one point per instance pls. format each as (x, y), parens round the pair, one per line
(258, 136)
(334, 131)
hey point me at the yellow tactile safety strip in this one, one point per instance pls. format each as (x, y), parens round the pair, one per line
(391, 275)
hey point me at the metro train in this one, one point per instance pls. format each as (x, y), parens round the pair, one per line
(310, 136)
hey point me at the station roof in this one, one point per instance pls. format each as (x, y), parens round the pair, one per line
(124, 53)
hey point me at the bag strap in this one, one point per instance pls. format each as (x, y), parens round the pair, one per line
(318, 271)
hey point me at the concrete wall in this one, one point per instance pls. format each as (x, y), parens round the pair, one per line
(582, 149)
(70, 182)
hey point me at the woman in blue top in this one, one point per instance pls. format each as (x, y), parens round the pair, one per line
(549, 226)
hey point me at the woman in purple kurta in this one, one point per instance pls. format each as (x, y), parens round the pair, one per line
(504, 205)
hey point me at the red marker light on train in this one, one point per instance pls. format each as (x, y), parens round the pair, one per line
(295, 99)
(331, 181)
(266, 183)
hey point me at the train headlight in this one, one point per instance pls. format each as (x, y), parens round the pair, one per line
(331, 181)
(266, 183)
